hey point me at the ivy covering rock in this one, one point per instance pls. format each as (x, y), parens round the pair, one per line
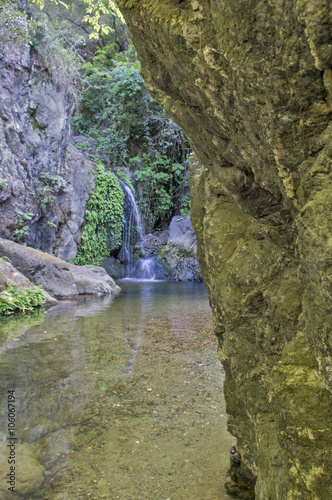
(104, 220)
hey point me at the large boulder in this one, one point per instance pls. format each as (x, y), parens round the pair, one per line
(60, 279)
(92, 280)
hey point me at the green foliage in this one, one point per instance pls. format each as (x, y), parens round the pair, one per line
(104, 220)
(25, 216)
(57, 43)
(112, 108)
(18, 299)
(52, 224)
(132, 130)
(3, 183)
(14, 25)
(48, 188)
(160, 180)
(80, 145)
(185, 206)
(95, 10)
(22, 231)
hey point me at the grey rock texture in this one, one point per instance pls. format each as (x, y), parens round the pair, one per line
(181, 234)
(11, 276)
(153, 241)
(250, 82)
(177, 251)
(60, 279)
(180, 253)
(114, 268)
(92, 280)
(44, 181)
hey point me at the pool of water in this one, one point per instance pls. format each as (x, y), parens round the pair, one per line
(116, 398)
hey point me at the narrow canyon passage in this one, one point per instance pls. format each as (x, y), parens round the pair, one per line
(118, 398)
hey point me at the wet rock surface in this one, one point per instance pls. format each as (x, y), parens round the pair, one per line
(114, 268)
(250, 83)
(180, 253)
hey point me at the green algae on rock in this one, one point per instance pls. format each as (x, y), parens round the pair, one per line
(251, 85)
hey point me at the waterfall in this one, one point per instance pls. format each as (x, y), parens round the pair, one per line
(133, 236)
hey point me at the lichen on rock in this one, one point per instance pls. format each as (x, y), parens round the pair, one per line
(250, 83)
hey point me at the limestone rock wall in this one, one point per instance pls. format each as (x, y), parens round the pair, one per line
(250, 82)
(44, 181)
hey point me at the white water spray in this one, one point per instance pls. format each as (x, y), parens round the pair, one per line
(133, 236)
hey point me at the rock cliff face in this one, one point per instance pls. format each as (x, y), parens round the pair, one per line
(44, 181)
(250, 82)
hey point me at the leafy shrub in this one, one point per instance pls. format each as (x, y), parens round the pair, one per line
(111, 108)
(48, 187)
(160, 180)
(132, 130)
(3, 183)
(22, 231)
(80, 145)
(104, 220)
(185, 206)
(18, 299)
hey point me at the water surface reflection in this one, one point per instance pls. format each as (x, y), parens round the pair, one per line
(117, 398)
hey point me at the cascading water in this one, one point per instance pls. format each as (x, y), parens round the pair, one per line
(133, 236)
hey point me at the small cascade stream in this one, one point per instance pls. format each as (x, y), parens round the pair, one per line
(133, 236)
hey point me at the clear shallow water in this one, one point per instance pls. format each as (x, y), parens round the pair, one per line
(119, 397)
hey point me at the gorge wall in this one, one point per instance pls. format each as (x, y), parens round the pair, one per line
(44, 180)
(250, 82)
